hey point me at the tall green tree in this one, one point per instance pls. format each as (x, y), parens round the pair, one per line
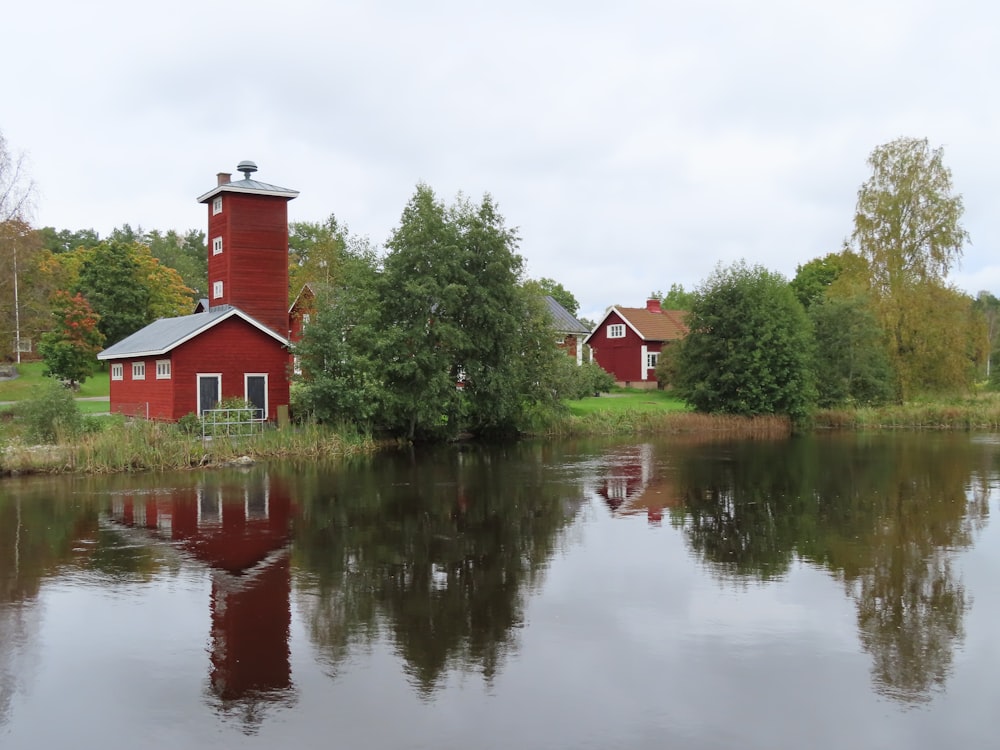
(907, 227)
(464, 345)
(421, 339)
(852, 364)
(126, 286)
(749, 348)
(342, 378)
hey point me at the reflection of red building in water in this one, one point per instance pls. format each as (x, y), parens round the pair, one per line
(241, 532)
(631, 485)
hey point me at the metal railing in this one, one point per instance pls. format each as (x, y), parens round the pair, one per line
(231, 423)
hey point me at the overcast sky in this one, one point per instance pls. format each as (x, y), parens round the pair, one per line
(634, 144)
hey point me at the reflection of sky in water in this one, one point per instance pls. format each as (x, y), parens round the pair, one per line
(630, 640)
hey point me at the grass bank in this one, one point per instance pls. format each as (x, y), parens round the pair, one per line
(138, 445)
(979, 412)
(642, 412)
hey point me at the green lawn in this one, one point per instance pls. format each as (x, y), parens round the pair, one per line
(30, 375)
(627, 399)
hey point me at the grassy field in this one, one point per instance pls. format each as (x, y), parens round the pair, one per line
(623, 400)
(30, 375)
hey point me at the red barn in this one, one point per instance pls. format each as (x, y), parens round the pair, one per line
(238, 347)
(628, 341)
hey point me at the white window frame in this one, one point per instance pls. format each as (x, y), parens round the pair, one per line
(197, 386)
(217, 290)
(209, 507)
(138, 371)
(217, 246)
(253, 513)
(651, 359)
(616, 330)
(117, 371)
(217, 205)
(163, 369)
(246, 388)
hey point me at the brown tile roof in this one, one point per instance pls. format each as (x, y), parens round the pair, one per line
(667, 325)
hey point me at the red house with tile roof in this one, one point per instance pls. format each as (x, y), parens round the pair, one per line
(238, 346)
(628, 341)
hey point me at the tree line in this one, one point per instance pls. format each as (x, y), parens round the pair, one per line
(874, 323)
(441, 332)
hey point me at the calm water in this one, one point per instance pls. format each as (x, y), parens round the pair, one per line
(819, 593)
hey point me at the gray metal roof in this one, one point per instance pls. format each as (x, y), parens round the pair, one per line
(562, 320)
(249, 186)
(162, 335)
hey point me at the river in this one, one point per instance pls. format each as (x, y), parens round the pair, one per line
(823, 592)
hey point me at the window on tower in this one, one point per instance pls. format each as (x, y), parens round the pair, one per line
(217, 205)
(217, 290)
(217, 246)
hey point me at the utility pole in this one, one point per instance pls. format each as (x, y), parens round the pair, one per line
(17, 312)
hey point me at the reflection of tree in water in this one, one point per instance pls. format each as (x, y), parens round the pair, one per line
(742, 505)
(886, 515)
(437, 551)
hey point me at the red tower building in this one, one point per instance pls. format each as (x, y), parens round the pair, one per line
(238, 347)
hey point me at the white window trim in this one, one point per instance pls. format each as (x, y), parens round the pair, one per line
(197, 386)
(217, 290)
(246, 388)
(250, 513)
(163, 369)
(138, 371)
(208, 499)
(217, 246)
(117, 371)
(217, 205)
(651, 359)
(616, 330)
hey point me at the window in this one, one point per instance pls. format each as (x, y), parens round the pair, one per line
(138, 371)
(217, 205)
(616, 331)
(306, 319)
(163, 369)
(118, 371)
(651, 359)
(216, 246)
(217, 290)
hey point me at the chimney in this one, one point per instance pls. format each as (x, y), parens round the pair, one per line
(224, 178)
(653, 305)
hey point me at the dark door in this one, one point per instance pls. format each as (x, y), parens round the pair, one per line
(208, 392)
(257, 395)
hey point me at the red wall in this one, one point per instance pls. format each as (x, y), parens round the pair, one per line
(253, 265)
(149, 398)
(232, 348)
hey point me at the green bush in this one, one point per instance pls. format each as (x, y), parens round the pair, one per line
(589, 379)
(50, 414)
(189, 424)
